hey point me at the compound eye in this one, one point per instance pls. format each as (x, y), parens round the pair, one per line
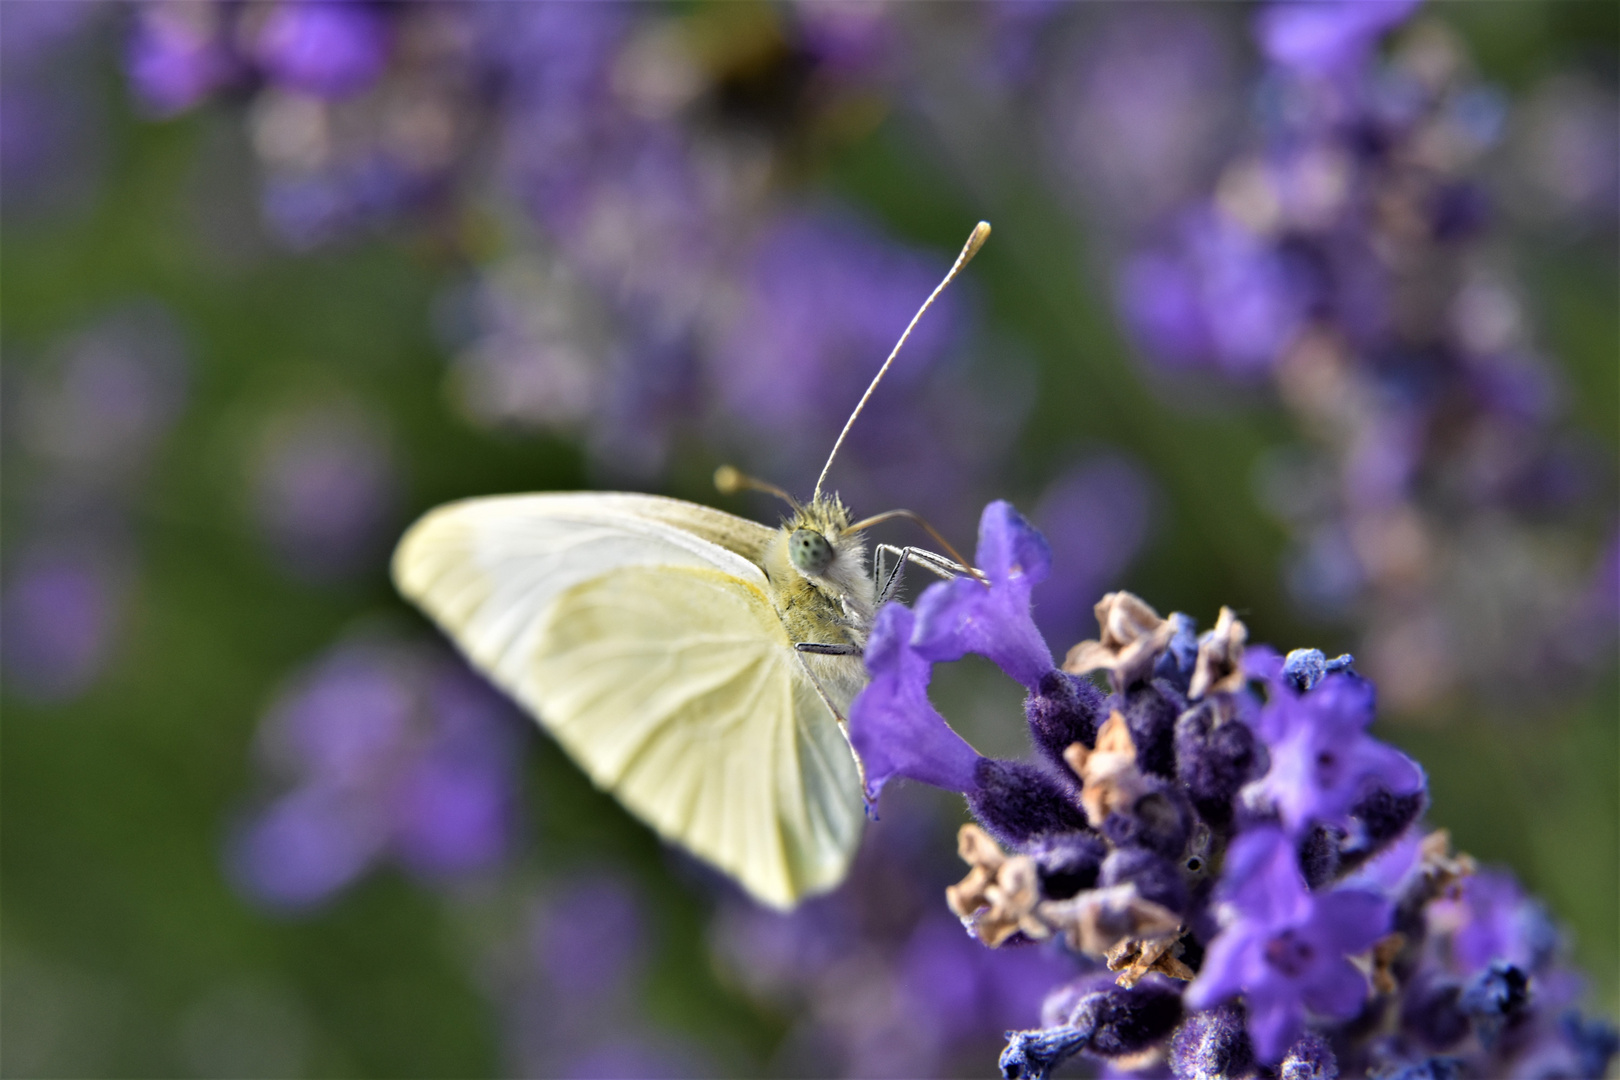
(810, 552)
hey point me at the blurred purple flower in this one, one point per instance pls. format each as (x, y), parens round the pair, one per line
(97, 406)
(1218, 297)
(178, 54)
(590, 939)
(330, 48)
(1285, 948)
(325, 490)
(1096, 516)
(380, 751)
(59, 618)
(1327, 37)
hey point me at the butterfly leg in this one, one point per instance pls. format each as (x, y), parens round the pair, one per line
(821, 649)
(928, 560)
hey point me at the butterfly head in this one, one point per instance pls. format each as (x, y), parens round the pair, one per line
(818, 537)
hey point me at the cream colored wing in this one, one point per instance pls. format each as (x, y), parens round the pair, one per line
(639, 634)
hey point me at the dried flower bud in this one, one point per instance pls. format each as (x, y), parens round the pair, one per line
(1219, 668)
(1111, 781)
(1097, 920)
(1129, 643)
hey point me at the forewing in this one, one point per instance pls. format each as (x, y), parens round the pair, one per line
(654, 656)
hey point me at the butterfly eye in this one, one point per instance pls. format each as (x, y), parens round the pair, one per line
(810, 552)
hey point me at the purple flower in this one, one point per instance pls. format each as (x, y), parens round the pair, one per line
(324, 489)
(590, 939)
(1097, 516)
(1322, 759)
(59, 617)
(379, 751)
(1283, 947)
(329, 49)
(177, 55)
(893, 727)
(957, 617)
(1327, 37)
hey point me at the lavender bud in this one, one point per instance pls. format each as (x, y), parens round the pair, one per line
(1016, 802)
(1062, 710)
(1304, 668)
(1150, 713)
(1435, 1068)
(1309, 1059)
(1430, 1014)
(1159, 820)
(1156, 878)
(1319, 855)
(1067, 863)
(1212, 1044)
(1380, 817)
(1176, 665)
(1495, 999)
(1111, 1022)
(1213, 762)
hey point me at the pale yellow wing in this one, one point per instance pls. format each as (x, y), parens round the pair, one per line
(640, 634)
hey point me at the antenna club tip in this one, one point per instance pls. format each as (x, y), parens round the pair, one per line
(727, 480)
(981, 233)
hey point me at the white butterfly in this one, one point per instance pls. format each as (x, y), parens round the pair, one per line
(695, 664)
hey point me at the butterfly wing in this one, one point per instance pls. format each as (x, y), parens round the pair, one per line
(639, 630)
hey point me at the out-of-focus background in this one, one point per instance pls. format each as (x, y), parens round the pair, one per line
(1309, 314)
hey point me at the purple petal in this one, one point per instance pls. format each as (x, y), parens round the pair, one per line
(1275, 1019)
(1225, 970)
(892, 725)
(1337, 989)
(1388, 766)
(1261, 880)
(962, 616)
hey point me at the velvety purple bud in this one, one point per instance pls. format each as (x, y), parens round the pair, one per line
(962, 616)
(1150, 713)
(1430, 1013)
(326, 49)
(1435, 1068)
(1156, 878)
(1017, 803)
(1111, 1022)
(1376, 821)
(1319, 855)
(1214, 762)
(1160, 820)
(1212, 1043)
(1304, 668)
(1497, 996)
(893, 727)
(1176, 664)
(1067, 863)
(1309, 1059)
(1032, 1055)
(1063, 709)
(1595, 1042)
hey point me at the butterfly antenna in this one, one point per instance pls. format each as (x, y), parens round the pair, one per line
(981, 233)
(729, 481)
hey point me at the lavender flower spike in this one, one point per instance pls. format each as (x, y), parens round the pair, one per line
(1285, 948)
(893, 726)
(962, 616)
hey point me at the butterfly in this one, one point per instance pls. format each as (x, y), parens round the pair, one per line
(696, 664)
